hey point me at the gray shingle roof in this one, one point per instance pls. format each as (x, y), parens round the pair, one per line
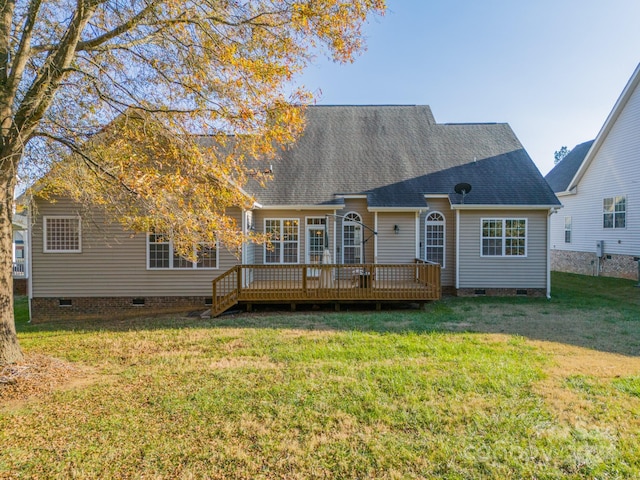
(395, 155)
(561, 175)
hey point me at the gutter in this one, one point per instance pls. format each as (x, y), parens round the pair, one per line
(397, 209)
(331, 207)
(503, 207)
(29, 255)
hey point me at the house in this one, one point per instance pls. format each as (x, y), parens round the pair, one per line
(366, 192)
(598, 230)
(20, 248)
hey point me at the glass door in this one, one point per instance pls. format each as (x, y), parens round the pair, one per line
(315, 244)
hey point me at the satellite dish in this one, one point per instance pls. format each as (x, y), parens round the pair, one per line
(462, 189)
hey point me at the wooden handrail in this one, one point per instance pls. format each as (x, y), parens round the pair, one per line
(418, 281)
(226, 290)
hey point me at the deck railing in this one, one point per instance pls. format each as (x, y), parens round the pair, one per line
(19, 268)
(304, 283)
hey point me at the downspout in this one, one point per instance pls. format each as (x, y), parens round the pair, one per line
(417, 234)
(551, 212)
(28, 267)
(245, 231)
(335, 245)
(375, 238)
(457, 249)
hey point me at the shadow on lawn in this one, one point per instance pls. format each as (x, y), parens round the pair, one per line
(596, 313)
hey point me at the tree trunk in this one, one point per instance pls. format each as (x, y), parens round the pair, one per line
(9, 348)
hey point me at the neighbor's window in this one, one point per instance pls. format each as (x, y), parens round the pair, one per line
(567, 229)
(284, 234)
(61, 234)
(614, 212)
(504, 237)
(434, 238)
(161, 255)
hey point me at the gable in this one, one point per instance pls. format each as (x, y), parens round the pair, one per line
(395, 155)
(561, 175)
(628, 104)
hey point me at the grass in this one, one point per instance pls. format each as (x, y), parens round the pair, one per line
(469, 388)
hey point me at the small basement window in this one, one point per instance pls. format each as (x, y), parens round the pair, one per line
(480, 291)
(522, 292)
(138, 301)
(65, 302)
(208, 301)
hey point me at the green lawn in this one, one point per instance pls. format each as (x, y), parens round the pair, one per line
(468, 388)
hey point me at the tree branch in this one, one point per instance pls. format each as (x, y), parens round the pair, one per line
(94, 166)
(22, 55)
(119, 30)
(6, 15)
(39, 96)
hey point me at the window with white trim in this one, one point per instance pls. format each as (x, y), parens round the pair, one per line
(567, 229)
(284, 234)
(352, 238)
(504, 237)
(62, 234)
(434, 238)
(161, 255)
(614, 212)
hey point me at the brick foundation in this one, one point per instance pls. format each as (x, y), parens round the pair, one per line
(20, 286)
(83, 308)
(586, 263)
(501, 292)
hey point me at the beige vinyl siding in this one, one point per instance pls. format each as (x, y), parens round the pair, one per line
(113, 262)
(400, 247)
(443, 206)
(503, 272)
(359, 206)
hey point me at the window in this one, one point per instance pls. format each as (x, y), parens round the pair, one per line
(567, 229)
(61, 235)
(434, 238)
(161, 255)
(614, 212)
(352, 238)
(284, 233)
(504, 237)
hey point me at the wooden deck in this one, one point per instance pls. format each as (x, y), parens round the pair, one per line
(417, 282)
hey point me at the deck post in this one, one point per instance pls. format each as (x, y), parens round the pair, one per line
(239, 278)
(304, 280)
(293, 307)
(337, 307)
(214, 299)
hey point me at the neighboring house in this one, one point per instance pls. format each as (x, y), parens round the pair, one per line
(598, 230)
(356, 170)
(20, 248)
(20, 235)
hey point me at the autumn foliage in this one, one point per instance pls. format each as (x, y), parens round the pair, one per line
(156, 109)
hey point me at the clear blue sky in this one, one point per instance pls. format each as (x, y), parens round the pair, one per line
(552, 69)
